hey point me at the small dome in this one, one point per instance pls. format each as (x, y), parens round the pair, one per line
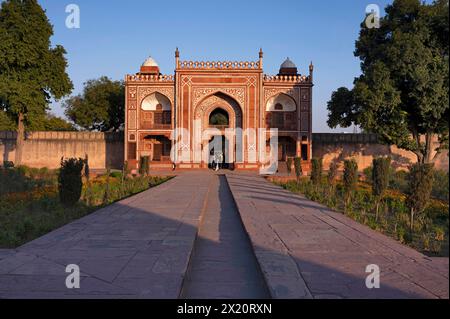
(288, 64)
(149, 62)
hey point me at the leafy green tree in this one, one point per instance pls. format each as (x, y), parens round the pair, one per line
(6, 123)
(46, 122)
(50, 122)
(101, 107)
(31, 71)
(402, 94)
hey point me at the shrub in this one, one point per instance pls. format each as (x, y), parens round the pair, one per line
(316, 172)
(69, 181)
(8, 164)
(106, 195)
(86, 167)
(24, 170)
(399, 180)
(368, 173)
(380, 175)
(125, 169)
(116, 174)
(88, 192)
(380, 179)
(350, 178)
(298, 168)
(332, 172)
(420, 182)
(144, 165)
(440, 185)
(125, 172)
(289, 165)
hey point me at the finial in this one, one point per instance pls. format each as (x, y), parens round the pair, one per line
(177, 53)
(261, 53)
(311, 67)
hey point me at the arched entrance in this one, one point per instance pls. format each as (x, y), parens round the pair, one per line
(217, 118)
(218, 147)
(157, 147)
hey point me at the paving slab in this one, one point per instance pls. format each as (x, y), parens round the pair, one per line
(136, 248)
(309, 251)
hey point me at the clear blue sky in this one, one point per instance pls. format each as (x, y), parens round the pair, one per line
(116, 36)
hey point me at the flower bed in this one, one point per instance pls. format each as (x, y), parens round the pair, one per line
(431, 229)
(31, 207)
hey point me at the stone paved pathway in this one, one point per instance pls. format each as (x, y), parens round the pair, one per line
(141, 247)
(136, 248)
(309, 251)
(223, 264)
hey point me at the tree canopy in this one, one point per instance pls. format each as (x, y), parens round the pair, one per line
(50, 122)
(100, 107)
(31, 71)
(47, 122)
(402, 93)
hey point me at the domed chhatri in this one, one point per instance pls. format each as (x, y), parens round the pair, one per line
(288, 64)
(288, 68)
(149, 62)
(150, 67)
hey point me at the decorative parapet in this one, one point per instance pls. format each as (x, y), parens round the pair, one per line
(219, 65)
(149, 78)
(61, 135)
(287, 78)
(345, 138)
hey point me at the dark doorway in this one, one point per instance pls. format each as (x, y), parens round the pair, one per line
(160, 147)
(218, 147)
(305, 152)
(286, 148)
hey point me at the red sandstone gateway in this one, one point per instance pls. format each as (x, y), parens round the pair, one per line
(217, 97)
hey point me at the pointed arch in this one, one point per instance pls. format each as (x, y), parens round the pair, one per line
(281, 103)
(156, 101)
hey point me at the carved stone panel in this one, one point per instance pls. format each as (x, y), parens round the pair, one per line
(304, 106)
(236, 93)
(304, 121)
(304, 94)
(132, 119)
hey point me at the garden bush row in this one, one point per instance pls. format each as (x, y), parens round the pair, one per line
(407, 213)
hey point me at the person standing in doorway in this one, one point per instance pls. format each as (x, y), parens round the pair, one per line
(220, 160)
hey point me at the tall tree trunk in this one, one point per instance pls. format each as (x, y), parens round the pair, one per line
(20, 139)
(418, 151)
(427, 158)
